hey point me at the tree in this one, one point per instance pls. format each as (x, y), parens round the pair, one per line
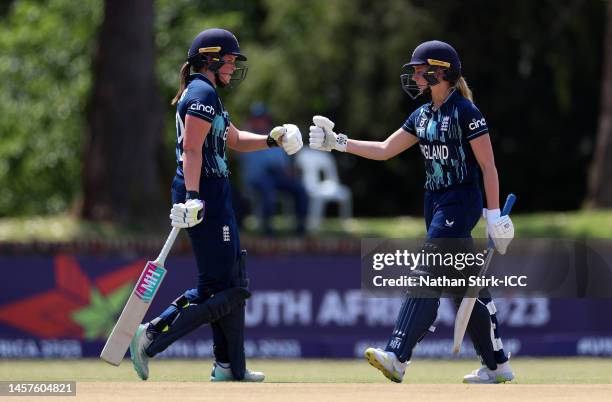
(121, 174)
(530, 67)
(600, 183)
(45, 70)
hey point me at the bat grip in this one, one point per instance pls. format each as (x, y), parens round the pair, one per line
(509, 204)
(161, 259)
(505, 211)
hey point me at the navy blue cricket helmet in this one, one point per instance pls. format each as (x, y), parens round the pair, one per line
(208, 48)
(437, 55)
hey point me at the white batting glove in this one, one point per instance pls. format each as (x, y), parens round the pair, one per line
(323, 138)
(188, 214)
(288, 137)
(499, 228)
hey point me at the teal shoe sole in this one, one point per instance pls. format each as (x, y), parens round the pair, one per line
(134, 352)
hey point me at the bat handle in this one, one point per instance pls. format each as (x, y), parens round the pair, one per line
(509, 204)
(161, 259)
(505, 211)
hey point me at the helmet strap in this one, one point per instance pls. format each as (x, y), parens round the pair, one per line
(220, 83)
(430, 76)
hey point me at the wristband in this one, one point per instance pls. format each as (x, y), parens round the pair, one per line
(192, 195)
(341, 142)
(270, 141)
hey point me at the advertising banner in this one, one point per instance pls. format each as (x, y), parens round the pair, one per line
(64, 306)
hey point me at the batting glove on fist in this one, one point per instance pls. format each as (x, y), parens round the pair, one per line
(323, 138)
(188, 214)
(500, 229)
(288, 137)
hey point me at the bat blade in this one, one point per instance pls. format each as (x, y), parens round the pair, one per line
(461, 321)
(133, 313)
(467, 304)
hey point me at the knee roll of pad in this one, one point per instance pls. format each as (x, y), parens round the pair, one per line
(181, 302)
(224, 302)
(425, 270)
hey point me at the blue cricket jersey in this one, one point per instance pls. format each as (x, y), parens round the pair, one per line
(200, 99)
(444, 135)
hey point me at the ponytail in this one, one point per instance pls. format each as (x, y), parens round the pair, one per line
(183, 75)
(464, 89)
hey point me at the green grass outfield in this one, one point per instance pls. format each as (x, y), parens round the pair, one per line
(527, 370)
(58, 228)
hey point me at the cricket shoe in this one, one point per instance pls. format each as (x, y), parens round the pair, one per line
(485, 375)
(387, 363)
(220, 373)
(139, 344)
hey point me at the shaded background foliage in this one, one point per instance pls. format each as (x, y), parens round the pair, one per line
(45, 69)
(535, 68)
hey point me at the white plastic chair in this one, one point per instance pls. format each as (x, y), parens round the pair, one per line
(320, 178)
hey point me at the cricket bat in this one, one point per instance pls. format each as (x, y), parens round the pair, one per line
(464, 312)
(137, 305)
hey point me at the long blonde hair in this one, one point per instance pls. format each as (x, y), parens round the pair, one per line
(183, 75)
(464, 89)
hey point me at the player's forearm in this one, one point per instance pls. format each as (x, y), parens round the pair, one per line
(375, 150)
(248, 142)
(491, 185)
(192, 168)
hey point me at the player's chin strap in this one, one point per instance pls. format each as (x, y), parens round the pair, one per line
(219, 81)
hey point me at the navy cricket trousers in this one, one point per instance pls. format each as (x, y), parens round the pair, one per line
(215, 241)
(449, 214)
(454, 212)
(216, 245)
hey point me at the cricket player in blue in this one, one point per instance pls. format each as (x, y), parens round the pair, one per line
(454, 140)
(201, 197)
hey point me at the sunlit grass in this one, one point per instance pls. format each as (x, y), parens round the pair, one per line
(61, 228)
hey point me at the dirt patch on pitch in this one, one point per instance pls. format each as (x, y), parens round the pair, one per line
(296, 392)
